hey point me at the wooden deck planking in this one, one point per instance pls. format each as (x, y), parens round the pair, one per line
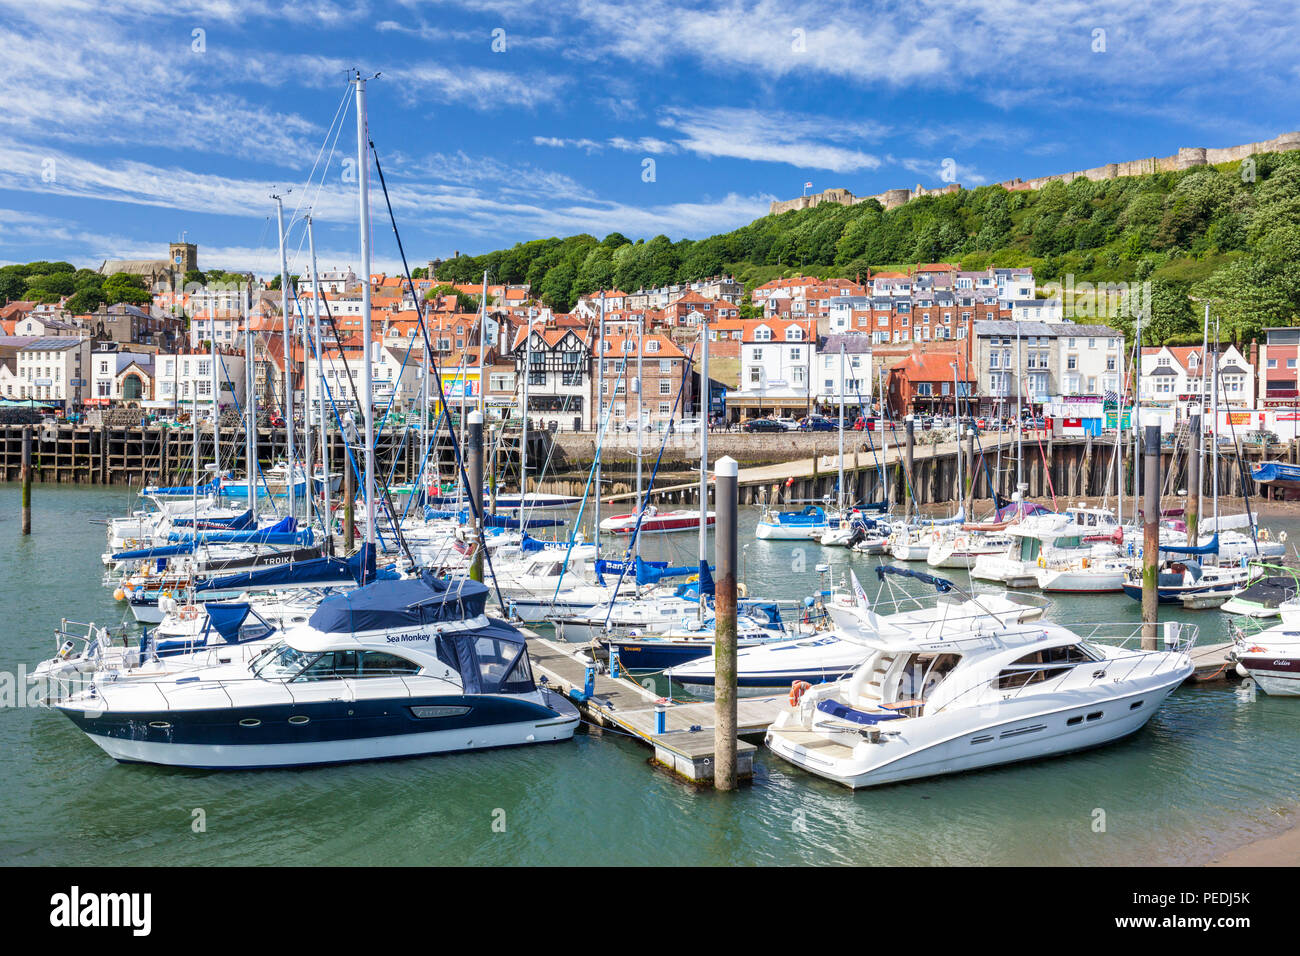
(687, 745)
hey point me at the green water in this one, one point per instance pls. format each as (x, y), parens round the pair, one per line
(1211, 771)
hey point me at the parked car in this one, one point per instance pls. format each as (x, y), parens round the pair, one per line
(789, 424)
(763, 425)
(817, 423)
(689, 426)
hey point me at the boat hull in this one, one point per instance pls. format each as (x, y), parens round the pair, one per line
(1276, 676)
(332, 732)
(938, 751)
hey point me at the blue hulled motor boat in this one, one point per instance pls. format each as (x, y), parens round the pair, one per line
(393, 669)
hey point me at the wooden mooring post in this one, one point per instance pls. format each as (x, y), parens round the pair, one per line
(726, 547)
(27, 480)
(1151, 537)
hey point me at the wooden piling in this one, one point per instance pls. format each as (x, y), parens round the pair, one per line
(26, 476)
(726, 547)
(1151, 537)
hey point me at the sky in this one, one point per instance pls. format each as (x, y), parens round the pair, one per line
(127, 126)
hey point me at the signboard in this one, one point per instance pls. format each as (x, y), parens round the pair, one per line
(1238, 418)
(1127, 421)
(44, 381)
(78, 382)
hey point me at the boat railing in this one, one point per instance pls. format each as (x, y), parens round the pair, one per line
(90, 686)
(1177, 640)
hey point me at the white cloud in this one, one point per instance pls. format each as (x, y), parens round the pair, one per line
(808, 142)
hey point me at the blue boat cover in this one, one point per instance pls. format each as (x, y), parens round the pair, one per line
(1210, 547)
(845, 712)
(166, 551)
(400, 604)
(531, 544)
(237, 523)
(227, 619)
(301, 539)
(490, 660)
(942, 585)
(318, 571)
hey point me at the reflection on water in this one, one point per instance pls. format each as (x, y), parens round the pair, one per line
(1210, 771)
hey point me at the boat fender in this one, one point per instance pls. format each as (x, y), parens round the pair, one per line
(797, 691)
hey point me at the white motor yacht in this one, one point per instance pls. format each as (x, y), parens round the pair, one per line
(986, 694)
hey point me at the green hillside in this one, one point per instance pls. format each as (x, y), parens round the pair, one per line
(1215, 232)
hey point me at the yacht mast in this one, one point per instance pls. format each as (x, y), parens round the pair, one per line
(704, 457)
(600, 360)
(288, 361)
(1200, 447)
(216, 401)
(523, 443)
(640, 388)
(367, 373)
(1020, 447)
(1214, 385)
(839, 498)
(250, 401)
(320, 387)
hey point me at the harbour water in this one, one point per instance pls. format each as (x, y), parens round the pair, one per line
(1212, 771)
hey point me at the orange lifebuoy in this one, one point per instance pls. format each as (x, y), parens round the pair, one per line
(796, 691)
(188, 613)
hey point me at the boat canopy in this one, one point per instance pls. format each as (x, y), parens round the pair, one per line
(165, 551)
(400, 604)
(490, 660)
(318, 571)
(1210, 547)
(942, 585)
(239, 522)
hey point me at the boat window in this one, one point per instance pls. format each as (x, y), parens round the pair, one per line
(494, 658)
(330, 666)
(1037, 666)
(923, 673)
(281, 662)
(1029, 549)
(520, 678)
(381, 664)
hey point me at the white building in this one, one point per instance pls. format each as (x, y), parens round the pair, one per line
(53, 370)
(391, 380)
(843, 375)
(1180, 376)
(120, 375)
(333, 281)
(185, 379)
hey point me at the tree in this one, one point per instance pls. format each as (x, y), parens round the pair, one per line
(123, 287)
(87, 300)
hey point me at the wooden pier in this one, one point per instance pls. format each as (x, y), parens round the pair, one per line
(686, 744)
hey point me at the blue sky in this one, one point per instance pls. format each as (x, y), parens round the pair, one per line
(124, 128)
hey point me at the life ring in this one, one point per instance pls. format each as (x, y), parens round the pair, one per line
(796, 691)
(1042, 561)
(188, 613)
(741, 590)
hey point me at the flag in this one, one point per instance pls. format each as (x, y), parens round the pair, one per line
(807, 185)
(859, 595)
